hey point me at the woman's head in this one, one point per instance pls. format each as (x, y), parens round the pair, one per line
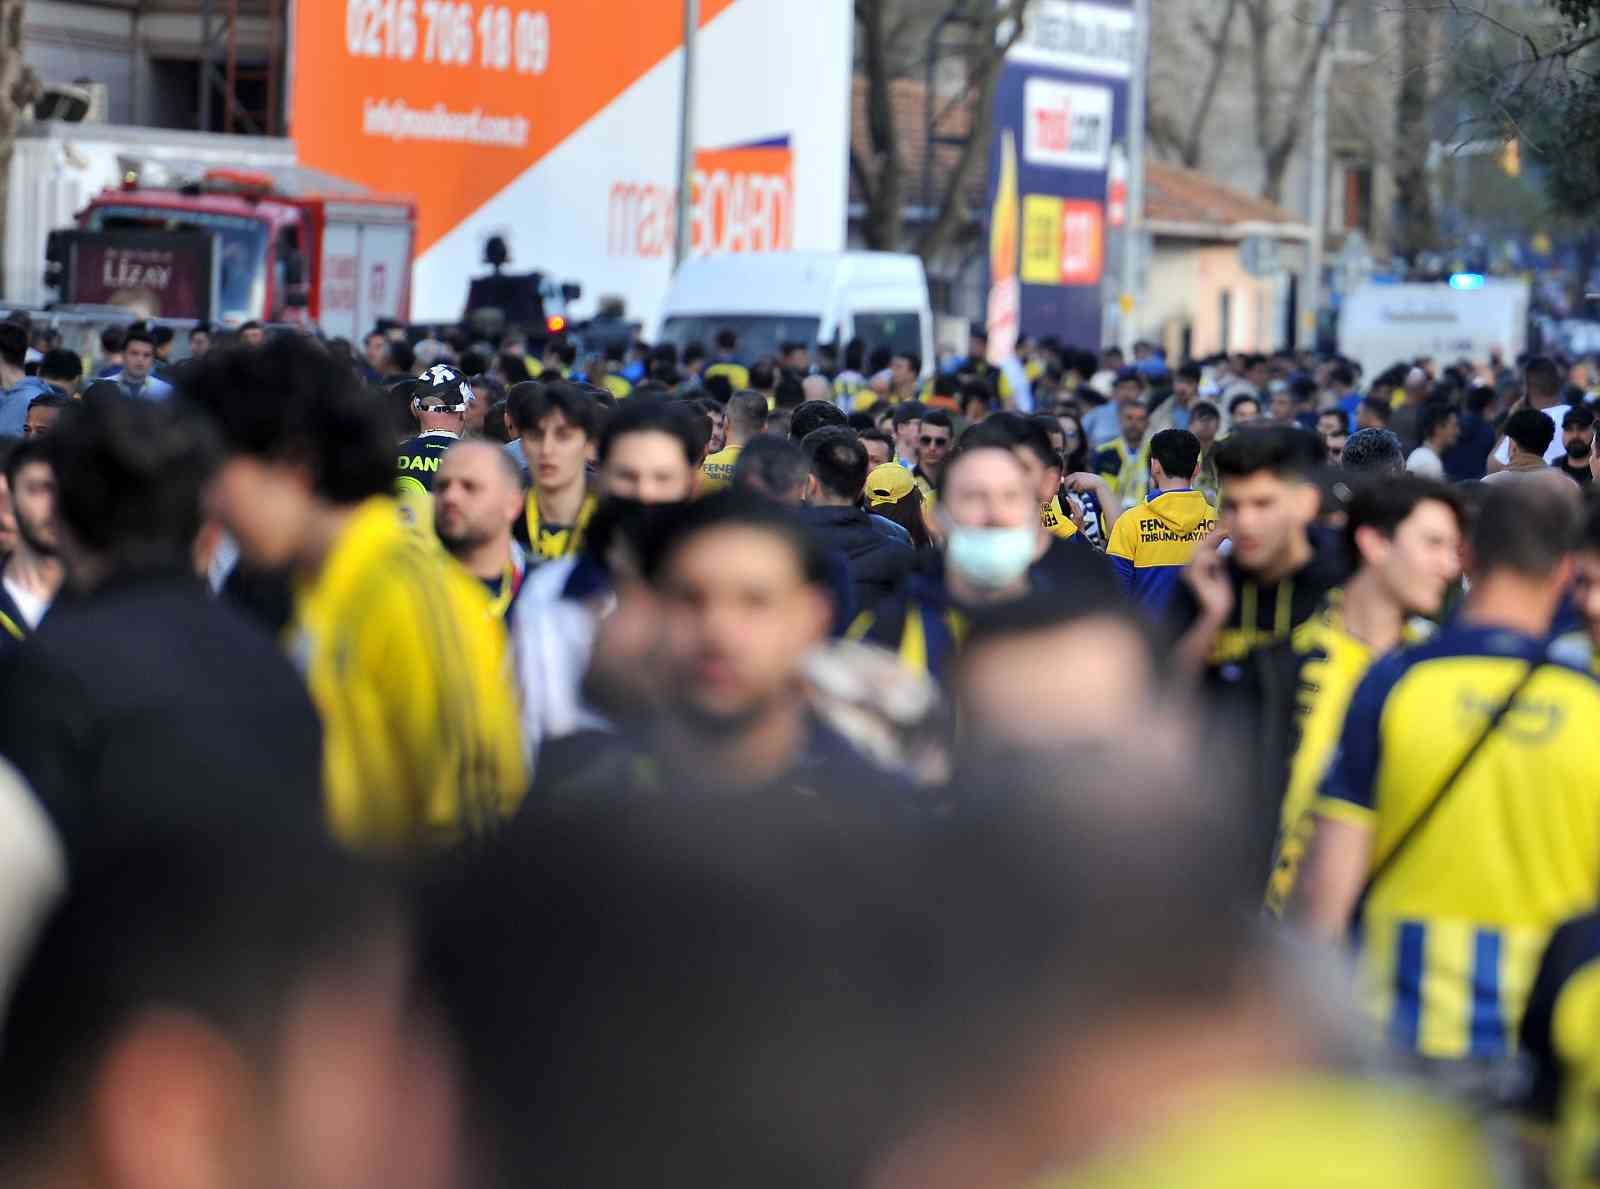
(891, 493)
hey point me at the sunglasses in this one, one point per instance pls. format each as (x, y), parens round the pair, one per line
(927, 441)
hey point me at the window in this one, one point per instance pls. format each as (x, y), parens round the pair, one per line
(1358, 199)
(897, 331)
(1359, 34)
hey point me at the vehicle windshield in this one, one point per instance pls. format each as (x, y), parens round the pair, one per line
(243, 248)
(759, 334)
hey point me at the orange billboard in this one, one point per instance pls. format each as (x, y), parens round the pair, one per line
(448, 101)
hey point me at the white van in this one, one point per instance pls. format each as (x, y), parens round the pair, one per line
(769, 298)
(1381, 325)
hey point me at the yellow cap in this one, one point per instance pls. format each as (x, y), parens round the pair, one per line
(889, 484)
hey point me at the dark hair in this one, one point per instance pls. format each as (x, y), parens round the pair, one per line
(61, 364)
(21, 454)
(161, 335)
(1384, 504)
(1542, 377)
(1204, 408)
(908, 411)
(1242, 398)
(13, 344)
(726, 340)
(975, 389)
(1579, 416)
(1015, 431)
(111, 340)
(1344, 418)
(201, 327)
(939, 418)
(946, 384)
(49, 400)
(1434, 415)
(912, 358)
(813, 415)
(877, 435)
(1373, 451)
(1479, 397)
(532, 402)
(747, 412)
(1531, 430)
(770, 467)
(250, 325)
(1190, 371)
(138, 333)
(839, 461)
(1341, 375)
(129, 476)
(1527, 528)
(290, 400)
(719, 388)
(1178, 452)
(1285, 451)
(402, 355)
(764, 374)
(686, 425)
(789, 393)
(1379, 408)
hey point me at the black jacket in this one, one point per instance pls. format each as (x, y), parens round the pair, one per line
(149, 707)
(878, 564)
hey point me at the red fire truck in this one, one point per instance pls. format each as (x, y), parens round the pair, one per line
(291, 245)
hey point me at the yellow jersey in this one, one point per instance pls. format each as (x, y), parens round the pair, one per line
(716, 472)
(1057, 520)
(618, 387)
(738, 375)
(1330, 663)
(1154, 540)
(1308, 1132)
(548, 542)
(1561, 1034)
(1451, 933)
(410, 672)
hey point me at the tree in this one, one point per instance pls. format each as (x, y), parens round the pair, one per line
(19, 87)
(1413, 228)
(1278, 123)
(879, 168)
(1181, 132)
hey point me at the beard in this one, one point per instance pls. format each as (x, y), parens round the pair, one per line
(462, 538)
(33, 538)
(1579, 451)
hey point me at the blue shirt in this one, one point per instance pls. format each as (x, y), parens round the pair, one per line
(14, 404)
(152, 388)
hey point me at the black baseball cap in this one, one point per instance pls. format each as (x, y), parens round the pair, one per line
(443, 389)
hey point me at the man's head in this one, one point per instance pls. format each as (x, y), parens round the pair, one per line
(1530, 433)
(376, 349)
(32, 485)
(199, 339)
(742, 602)
(240, 994)
(558, 424)
(934, 440)
(138, 353)
(1205, 422)
(796, 357)
(1373, 413)
(812, 415)
(1133, 418)
(985, 485)
(300, 433)
(1268, 497)
(880, 446)
(839, 466)
(1406, 531)
(1577, 433)
(13, 346)
(110, 343)
(1527, 531)
(648, 453)
(252, 334)
(1374, 452)
(817, 388)
(440, 399)
(1542, 380)
(42, 414)
(128, 480)
(162, 336)
(1440, 425)
(1333, 422)
(1340, 379)
(1174, 458)
(747, 416)
(477, 496)
(904, 370)
(727, 343)
(1280, 404)
(772, 468)
(62, 370)
(1128, 387)
(1186, 384)
(908, 428)
(1031, 444)
(1243, 409)
(764, 375)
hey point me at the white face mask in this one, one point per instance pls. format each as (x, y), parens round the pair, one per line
(991, 557)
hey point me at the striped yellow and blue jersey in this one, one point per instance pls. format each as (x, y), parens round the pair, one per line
(1561, 1036)
(410, 672)
(1152, 542)
(1451, 934)
(1127, 470)
(550, 542)
(1330, 663)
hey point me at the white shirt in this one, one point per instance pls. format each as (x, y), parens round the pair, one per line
(1425, 462)
(31, 605)
(1557, 451)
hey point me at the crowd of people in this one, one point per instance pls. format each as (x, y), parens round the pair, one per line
(442, 767)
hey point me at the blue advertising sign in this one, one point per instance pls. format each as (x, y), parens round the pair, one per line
(1061, 113)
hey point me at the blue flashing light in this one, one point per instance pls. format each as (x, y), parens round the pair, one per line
(1466, 280)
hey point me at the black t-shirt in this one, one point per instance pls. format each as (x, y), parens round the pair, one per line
(1581, 474)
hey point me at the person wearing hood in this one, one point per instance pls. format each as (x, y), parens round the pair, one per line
(17, 389)
(1153, 541)
(831, 511)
